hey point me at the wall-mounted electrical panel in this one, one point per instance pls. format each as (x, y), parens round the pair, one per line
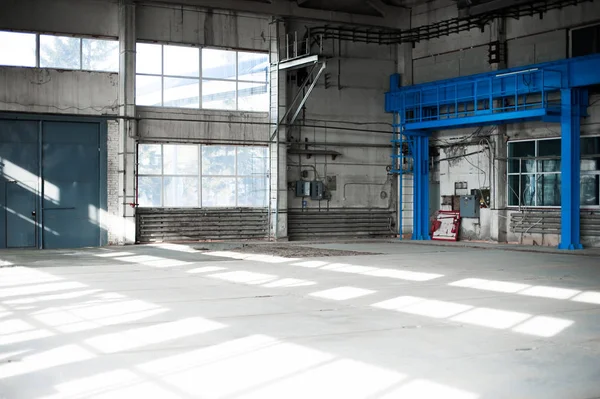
(317, 190)
(469, 206)
(303, 188)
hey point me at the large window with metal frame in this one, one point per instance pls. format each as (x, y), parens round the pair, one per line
(190, 77)
(192, 176)
(60, 52)
(534, 177)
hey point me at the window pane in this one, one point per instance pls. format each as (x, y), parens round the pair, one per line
(253, 97)
(149, 189)
(218, 160)
(181, 192)
(182, 61)
(148, 58)
(100, 55)
(251, 161)
(252, 192)
(218, 64)
(588, 165)
(148, 90)
(17, 49)
(253, 66)
(548, 190)
(218, 191)
(590, 145)
(521, 149)
(218, 94)
(60, 52)
(590, 188)
(149, 159)
(549, 148)
(527, 193)
(181, 93)
(180, 160)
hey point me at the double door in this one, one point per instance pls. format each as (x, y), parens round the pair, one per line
(50, 184)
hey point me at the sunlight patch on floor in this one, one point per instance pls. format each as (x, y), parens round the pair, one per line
(342, 293)
(24, 276)
(289, 283)
(426, 389)
(539, 291)
(492, 318)
(40, 288)
(86, 316)
(206, 269)
(422, 306)
(44, 360)
(245, 277)
(543, 326)
(115, 384)
(157, 333)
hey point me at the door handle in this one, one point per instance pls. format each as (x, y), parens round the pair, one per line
(33, 214)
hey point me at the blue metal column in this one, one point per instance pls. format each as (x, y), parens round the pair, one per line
(421, 185)
(571, 100)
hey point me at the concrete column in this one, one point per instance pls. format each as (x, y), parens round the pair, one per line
(127, 127)
(278, 202)
(404, 183)
(498, 195)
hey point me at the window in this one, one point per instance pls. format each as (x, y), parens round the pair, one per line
(201, 176)
(534, 172)
(62, 52)
(174, 76)
(18, 49)
(585, 41)
(590, 171)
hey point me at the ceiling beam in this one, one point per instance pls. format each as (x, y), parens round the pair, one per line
(288, 9)
(386, 11)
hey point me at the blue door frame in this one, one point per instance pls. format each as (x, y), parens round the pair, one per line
(495, 98)
(99, 190)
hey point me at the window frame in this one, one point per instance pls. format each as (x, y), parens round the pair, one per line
(38, 50)
(537, 173)
(236, 176)
(201, 77)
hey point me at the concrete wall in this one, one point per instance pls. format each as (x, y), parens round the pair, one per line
(202, 27)
(55, 91)
(528, 40)
(77, 17)
(345, 113)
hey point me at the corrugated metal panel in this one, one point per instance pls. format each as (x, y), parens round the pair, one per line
(309, 224)
(154, 224)
(548, 222)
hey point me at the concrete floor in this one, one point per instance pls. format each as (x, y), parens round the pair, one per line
(414, 322)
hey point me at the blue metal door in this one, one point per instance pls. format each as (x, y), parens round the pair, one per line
(19, 181)
(71, 184)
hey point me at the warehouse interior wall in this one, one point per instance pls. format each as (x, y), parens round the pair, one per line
(344, 113)
(477, 156)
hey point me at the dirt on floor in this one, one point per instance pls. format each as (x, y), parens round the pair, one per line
(288, 250)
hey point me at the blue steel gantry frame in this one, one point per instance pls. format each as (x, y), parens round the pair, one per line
(550, 92)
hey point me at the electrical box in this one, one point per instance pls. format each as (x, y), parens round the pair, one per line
(469, 206)
(303, 188)
(317, 191)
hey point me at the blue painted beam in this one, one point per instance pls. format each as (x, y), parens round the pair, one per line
(538, 78)
(571, 100)
(482, 120)
(420, 186)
